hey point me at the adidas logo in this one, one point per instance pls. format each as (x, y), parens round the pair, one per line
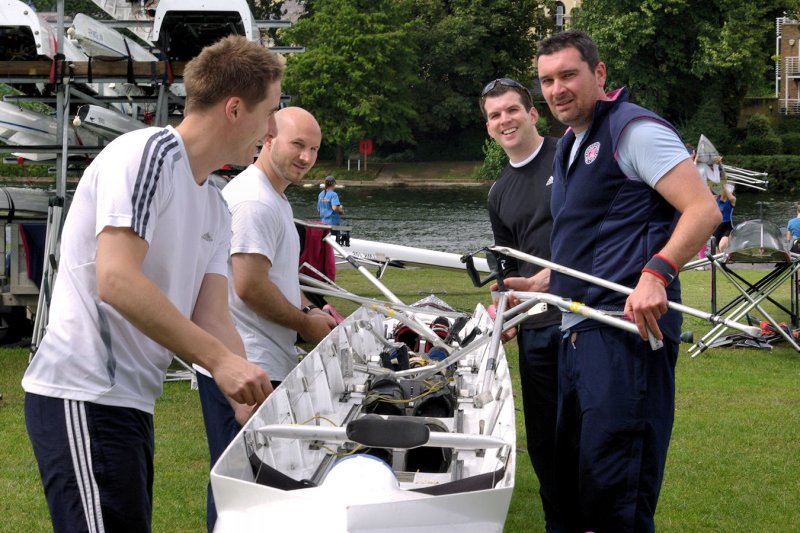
(549, 181)
(207, 237)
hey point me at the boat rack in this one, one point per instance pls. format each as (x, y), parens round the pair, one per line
(65, 81)
(94, 70)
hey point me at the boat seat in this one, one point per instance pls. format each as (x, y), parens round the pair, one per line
(398, 432)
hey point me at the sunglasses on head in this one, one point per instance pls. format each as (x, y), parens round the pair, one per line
(505, 82)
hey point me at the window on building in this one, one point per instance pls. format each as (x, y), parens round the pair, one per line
(560, 16)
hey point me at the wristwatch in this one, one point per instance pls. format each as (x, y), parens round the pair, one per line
(308, 308)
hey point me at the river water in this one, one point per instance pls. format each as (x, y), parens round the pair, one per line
(456, 220)
(449, 220)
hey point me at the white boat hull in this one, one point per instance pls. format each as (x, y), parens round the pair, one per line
(23, 127)
(99, 40)
(33, 37)
(384, 252)
(105, 122)
(332, 385)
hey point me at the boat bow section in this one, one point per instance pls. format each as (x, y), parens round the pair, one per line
(360, 437)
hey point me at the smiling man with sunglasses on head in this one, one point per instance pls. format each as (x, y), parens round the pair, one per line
(519, 211)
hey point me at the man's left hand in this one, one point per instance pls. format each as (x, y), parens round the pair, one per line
(646, 304)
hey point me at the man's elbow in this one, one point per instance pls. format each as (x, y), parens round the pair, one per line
(245, 295)
(110, 286)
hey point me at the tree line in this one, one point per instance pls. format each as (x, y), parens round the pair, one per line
(408, 73)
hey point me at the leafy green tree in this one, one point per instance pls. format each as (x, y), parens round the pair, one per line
(465, 44)
(674, 55)
(356, 73)
(494, 160)
(71, 7)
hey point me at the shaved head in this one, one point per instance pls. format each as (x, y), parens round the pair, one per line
(292, 151)
(296, 116)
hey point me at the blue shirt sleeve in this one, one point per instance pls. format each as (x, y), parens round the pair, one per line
(648, 150)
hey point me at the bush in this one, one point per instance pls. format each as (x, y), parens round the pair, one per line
(398, 157)
(543, 126)
(494, 161)
(758, 125)
(708, 121)
(770, 145)
(783, 170)
(760, 139)
(791, 143)
(789, 124)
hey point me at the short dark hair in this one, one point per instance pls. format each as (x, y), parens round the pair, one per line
(571, 39)
(502, 88)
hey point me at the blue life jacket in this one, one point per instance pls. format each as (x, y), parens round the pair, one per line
(604, 223)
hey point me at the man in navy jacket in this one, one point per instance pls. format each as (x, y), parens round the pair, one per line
(628, 206)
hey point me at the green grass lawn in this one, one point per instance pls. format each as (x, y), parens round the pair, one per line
(733, 463)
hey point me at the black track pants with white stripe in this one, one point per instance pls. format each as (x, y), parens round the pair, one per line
(96, 464)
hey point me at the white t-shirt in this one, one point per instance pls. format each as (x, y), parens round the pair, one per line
(142, 180)
(263, 223)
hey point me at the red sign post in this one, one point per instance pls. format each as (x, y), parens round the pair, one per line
(365, 149)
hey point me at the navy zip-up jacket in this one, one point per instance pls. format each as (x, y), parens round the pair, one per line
(604, 223)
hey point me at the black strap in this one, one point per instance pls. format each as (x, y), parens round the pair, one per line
(11, 208)
(469, 484)
(269, 476)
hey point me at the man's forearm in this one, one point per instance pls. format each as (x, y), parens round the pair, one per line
(145, 306)
(268, 302)
(692, 231)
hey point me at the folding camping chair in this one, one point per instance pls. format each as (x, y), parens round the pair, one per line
(754, 242)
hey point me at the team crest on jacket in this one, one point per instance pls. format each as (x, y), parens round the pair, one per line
(591, 153)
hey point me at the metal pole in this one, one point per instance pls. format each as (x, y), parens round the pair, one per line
(750, 330)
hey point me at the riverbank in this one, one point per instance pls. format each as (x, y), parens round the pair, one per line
(428, 174)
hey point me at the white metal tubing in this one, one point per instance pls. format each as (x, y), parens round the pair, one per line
(414, 325)
(436, 439)
(346, 295)
(715, 319)
(519, 314)
(421, 327)
(494, 346)
(331, 240)
(584, 310)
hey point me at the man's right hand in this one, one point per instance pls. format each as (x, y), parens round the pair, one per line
(509, 333)
(242, 381)
(317, 326)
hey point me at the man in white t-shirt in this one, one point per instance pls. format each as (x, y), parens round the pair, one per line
(268, 308)
(142, 275)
